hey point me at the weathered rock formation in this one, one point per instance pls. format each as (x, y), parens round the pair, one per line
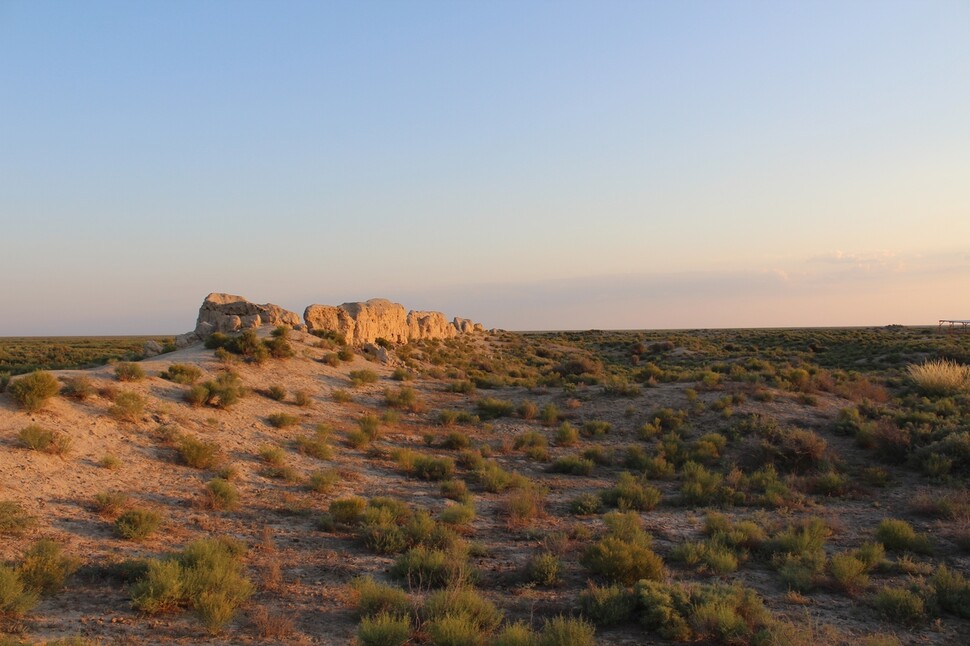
(356, 323)
(230, 313)
(378, 318)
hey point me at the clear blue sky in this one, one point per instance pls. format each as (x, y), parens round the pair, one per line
(527, 164)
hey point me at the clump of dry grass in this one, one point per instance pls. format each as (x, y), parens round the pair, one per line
(940, 377)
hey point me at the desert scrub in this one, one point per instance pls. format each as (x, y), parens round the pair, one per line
(128, 371)
(458, 516)
(631, 493)
(848, 573)
(137, 524)
(624, 554)
(898, 535)
(316, 445)
(206, 576)
(711, 556)
(596, 428)
(422, 567)
(128, 407)
(573, 465)
(900, 605)
(373, 598)
(79, 388)
(429, 467)
(724, 614)
(544, 569)
(282, 420)
(199, 454)
(347, 511)
(181, 373)
(38, 438)
(15, 599)
(110, 503)
(607, 605)
(361, 377)
(467, 603)
(33, 391)
(404, 398)
(524, 505)
(566, 435)
(221, 494)
(566, 631)
(492, 408)
(384, 629)
(14, 520)
(941, 377)
(45, 567)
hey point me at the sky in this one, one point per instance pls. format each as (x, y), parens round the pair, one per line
(528, 164)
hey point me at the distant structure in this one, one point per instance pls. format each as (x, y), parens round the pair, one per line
(953, 325)
(355, 323)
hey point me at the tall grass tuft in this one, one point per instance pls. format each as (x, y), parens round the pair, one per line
(940, 377)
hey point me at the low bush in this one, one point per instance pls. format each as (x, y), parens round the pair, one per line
(624, 555)
(128, 407)
(221, 494)
(596, 428)
(33, 391)
(15, 599)
(315, 445)
(110, 503)
(900, 605)
(607, 605)
(373, 598)
(199, 454)
(466, 602)
(384, 629)
(79, 388)
(586, 504)
(38, 438)
(128, 371)
(544, 569)
(573, 465)
(566, 631)
(566, 435)
(456, 490)
(422, 567)
(524, 505)
(404, 398)
(898, 535)
(137, 524)
(848, 573)
(276, 393)
(492, 408)
(44, 567)
(429, 467)
(181, 373)
(361, 377)
(631, 493)
(14, 520)
(282, 420)
(323, 481)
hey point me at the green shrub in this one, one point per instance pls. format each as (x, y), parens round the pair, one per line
(566, 435)
(109, 461)
(463, 601)
(302, 398)
(709, 556)
(323, 481)
(221, 494)
(347, 510)
(453, 630)
(544, 569)
(429, 467)
(898, 535)
(181, 373)
(282, 420)
(276, 393)
(37, 438)
(573, 465)
(225, 390)
(384, 629)
(492, 408)
(631, 493)
(901, 605)
(456, 490)
(373, 598)
(458, 515)
(361, 377)
(129, 372)
(315, 445)
(199, 454)
(586, 504)
(216, 340)
(567, 631)
(517, 634)
(197, 395)
(128, 407)
(422, 567)
(79, 388)
(45, 567)
(14, 520)
(622, 560)
(524, 505)
(110, 503)
(596, 428)
(607, 605)
(33, 391)
(848, 573)
(951, 591)
(15, 599)
(137, 524)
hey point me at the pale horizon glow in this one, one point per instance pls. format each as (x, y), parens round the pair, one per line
(533, 165)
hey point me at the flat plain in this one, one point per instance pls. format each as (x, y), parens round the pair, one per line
(775, 486)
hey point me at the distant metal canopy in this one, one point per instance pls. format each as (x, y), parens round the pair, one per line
(954, 324)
